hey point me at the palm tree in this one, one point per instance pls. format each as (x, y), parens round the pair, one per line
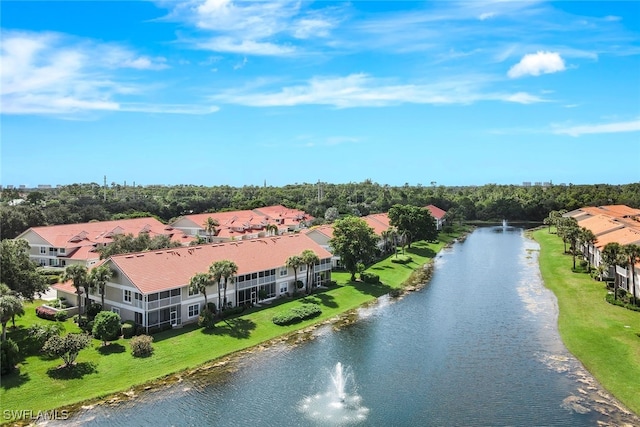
(77, 273)
(6, 290)
(10, 306)
(572, 234)
(98, 278)
(563, 225)
(294, 261)
(393, 238)
(588, 239)
(199, 283)
(310, 259)
(611, 256)
(223, 271)
(210, 226)
(632, 253)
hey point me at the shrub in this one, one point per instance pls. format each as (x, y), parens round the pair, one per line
(369, 277)
(46, 313)
(66, 347)
(61, 316)
(233, 311)
(41, 333)
(211, 307)
(52, 280)
(93, 310)
(128, 329)
(402, 259)
(141, 346)
(207, 319)
(297, 314)
(106, 326)
(299, 284)
(621, 303)
(9, 356)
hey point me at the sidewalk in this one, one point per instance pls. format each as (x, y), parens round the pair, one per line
(49, 295)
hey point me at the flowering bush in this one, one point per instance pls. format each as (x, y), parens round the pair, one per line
(46, 313)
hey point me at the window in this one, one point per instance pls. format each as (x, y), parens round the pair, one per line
(62, 250)
(127, 296)
(284, 287)
(138, 296)
(194, 310)
(284, 271)
(43, 250)
(193, 291)
(116, 310)
(138, 318)
(302, 268)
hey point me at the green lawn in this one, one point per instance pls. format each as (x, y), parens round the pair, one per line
(605, 338)
(101, 371)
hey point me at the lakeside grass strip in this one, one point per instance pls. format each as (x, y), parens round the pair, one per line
(103, 371)
(604, 337)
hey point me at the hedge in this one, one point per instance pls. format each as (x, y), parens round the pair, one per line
(297, 314)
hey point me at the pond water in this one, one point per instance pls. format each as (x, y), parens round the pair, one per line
(478, 346)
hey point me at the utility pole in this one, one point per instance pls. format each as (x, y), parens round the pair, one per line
(104, 199)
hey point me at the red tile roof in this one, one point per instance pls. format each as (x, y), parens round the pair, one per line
(155, 271)
(624, 236)
(250, 222)
(600, 224)
(101, 232)
(436, 212)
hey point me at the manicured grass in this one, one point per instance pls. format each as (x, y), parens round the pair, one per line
(100, 371)
(604, 337)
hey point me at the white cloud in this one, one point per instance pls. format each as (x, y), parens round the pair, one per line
(534, 64)
(244, 47)
(265, 28)
(579, 130)
(486, 15)
(362, 90)
(53, 73)
(523, 98)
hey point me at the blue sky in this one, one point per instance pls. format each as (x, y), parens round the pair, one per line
(236, 93)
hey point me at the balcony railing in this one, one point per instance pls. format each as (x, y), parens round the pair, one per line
(165, 302)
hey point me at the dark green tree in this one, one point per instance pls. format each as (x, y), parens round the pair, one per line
(66, 347)
(354, 242)
(418, 222)
(106, 326)
(18, 271)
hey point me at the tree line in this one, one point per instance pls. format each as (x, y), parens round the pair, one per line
(76, 203)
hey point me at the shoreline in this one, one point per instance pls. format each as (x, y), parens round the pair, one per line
(596, 333)
(225, 364)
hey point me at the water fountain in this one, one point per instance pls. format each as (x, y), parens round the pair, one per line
(339, 405)
(504, 223)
